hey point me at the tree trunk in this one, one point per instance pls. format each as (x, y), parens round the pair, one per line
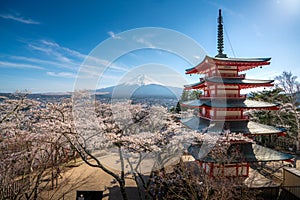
(122, 188)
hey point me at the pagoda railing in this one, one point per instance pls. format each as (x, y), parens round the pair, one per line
(234, 96)
(221, 118)
(224, 75)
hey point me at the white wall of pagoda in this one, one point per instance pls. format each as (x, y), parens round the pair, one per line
(222, 91)
(214, 113)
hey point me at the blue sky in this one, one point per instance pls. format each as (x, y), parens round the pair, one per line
(44, 43)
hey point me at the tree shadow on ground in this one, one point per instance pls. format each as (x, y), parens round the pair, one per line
(115, 194)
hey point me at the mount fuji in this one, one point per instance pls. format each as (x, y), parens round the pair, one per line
(141, 86)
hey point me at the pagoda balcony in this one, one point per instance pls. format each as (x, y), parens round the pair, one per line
(224, 75)
(224, 118)
(228, 96)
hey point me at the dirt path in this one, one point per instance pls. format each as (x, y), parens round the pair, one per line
(84, 177)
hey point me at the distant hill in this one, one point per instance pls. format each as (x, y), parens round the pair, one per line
(140, 87)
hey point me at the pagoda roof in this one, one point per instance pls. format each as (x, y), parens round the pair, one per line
(242, 63)
(249, 152)
(229, 103)
(244, 127)
(243, 83)
(243, 60)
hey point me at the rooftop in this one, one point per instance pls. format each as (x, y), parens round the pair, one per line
(243, 83)
(244, 127)
(242, 63)
(248, 152)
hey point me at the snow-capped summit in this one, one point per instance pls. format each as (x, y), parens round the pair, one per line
(141, 86)
(141, 80)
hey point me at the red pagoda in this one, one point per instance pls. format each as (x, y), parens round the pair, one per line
(221, 109)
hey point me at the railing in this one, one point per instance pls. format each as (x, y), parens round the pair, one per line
(234, 96)
(225, 75)
(220, 118)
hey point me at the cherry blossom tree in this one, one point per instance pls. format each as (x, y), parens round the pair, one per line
(187, 180)
(288, 83)
(141, 140)
(30, 156)
(286, 94)
(140, 134)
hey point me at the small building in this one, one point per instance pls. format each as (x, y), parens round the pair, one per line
(291, 184)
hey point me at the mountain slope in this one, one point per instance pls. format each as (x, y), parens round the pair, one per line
(141, 87)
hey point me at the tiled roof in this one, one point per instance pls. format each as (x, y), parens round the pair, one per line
(242, 59)
(236, 81)
(248, 152)
(242, 63)
(244, 127)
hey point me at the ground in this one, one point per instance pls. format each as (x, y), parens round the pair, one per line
(80, 176)
(84, 177)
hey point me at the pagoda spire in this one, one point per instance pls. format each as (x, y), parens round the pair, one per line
(220, 37)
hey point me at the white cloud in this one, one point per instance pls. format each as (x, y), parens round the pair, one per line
(64, 49)
(56, 56)
(94, 71)
(4, 64)
(67, 58)
(59, 53)
(62, 74)
(45, 50)
(197, 57)
(70, 57)
(113, 35)
(49, 43)
(19, 19)
(144, 42)
(44, 62)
